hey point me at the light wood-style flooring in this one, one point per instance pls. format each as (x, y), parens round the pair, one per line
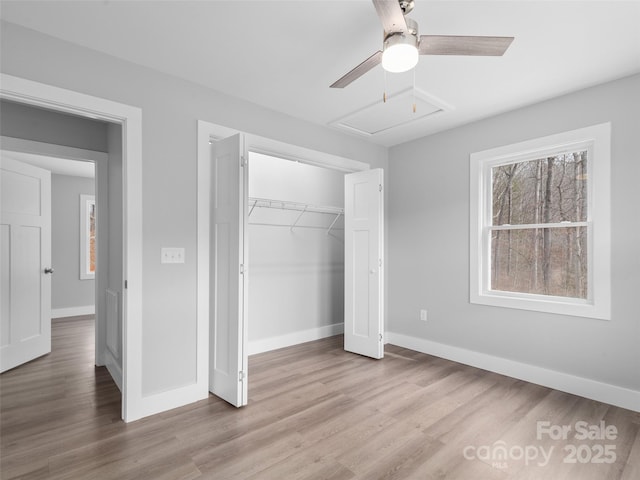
(315, 412)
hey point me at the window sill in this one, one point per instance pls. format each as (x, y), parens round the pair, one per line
(543, 304)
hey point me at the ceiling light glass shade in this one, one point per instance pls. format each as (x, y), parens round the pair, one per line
(400, 53)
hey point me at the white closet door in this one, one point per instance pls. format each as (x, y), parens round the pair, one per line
(25, 261)
(364, 279)
(228, 341)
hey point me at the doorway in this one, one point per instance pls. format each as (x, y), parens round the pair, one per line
(128, 119)
(85, 267)
(86, 249)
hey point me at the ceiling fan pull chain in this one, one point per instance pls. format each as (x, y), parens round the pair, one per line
(414, 90)
(384, 92)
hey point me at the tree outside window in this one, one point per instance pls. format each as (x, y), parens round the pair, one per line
(539, 226)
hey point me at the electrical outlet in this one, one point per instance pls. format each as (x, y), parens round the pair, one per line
(423, 315)
(171, 255)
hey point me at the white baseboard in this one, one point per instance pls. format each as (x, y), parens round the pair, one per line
(114, 369)
(584, 387)
(273, 343)
(73, 311)
(154, 403)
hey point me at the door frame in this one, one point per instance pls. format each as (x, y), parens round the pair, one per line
(25, 91)
(207, 133)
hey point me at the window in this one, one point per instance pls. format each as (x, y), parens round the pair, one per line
(540, 224)
(87, 237)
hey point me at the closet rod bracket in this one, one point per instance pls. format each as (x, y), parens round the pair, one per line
(333, 223)
(299, 216)
(255, 202)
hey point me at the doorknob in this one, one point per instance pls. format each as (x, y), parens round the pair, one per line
(48, 270)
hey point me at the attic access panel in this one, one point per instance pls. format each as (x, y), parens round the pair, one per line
(396, 112)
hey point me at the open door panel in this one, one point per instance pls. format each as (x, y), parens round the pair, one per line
(25, 261)
(364, 279)
(227, 343)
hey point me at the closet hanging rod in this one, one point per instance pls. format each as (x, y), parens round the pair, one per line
(315, 227)
(296, 206)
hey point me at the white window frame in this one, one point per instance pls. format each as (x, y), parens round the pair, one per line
(597, 140)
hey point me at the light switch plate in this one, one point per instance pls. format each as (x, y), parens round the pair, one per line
(171, 255)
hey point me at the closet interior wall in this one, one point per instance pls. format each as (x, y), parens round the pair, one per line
(296, 251)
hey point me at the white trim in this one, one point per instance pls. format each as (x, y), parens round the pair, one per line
(73, 311)
(113, 368)
(584, 387)
(202, 256)
(17, 89)
(598, 305)
(286, 151)
(294, 338)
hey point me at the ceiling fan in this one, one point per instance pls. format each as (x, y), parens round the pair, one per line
(402, 45)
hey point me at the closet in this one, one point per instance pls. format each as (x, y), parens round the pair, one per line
(295, 234)
(292, 252)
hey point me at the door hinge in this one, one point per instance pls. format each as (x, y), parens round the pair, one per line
(380, 337)
(241, 269)
(380, 187)
(243, 162)
(380, 262)
(126, 284)
(241, 376)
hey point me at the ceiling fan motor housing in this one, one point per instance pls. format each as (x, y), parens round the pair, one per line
(400, 38)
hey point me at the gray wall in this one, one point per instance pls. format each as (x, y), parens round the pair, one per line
(170, 110)
(296, 278)
(40, 125)
(429, 236)
(67, 290)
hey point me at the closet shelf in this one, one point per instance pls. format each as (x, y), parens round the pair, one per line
(303, 208)
(284, 205)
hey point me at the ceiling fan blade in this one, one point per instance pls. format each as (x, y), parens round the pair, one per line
(390, 15)
(360, 70)
(463, 45)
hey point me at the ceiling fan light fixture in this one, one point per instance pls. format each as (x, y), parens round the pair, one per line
(400, 52)
(402, 46)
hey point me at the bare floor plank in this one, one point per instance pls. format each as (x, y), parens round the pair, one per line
(315, 412)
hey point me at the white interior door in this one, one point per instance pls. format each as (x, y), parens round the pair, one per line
(25, 261)
(228, 336)
(364, 279)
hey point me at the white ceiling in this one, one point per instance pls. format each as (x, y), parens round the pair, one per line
(285, 54)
